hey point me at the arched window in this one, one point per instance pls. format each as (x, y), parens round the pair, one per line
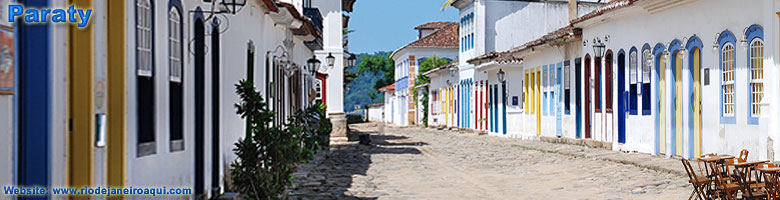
(176, 91)
(632, 78)
(755, 54)
(174, 45)
(727, 79)
(756, 76)
(646, 92)
(145, 78)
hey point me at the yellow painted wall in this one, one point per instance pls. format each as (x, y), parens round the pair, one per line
(116, 95)
(80, 156)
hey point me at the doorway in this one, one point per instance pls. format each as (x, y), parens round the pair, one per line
(695, 113)
(621, 94)
(200, 56)
(578, 96)
(588, 103)
(677, 109)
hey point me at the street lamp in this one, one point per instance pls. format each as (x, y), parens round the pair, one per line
(501, 74)
(233, 6)
(351, 60)
(314, 64)
(330, 59)
(598, 47)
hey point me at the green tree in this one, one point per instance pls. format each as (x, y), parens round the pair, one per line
(426, 65)
(378, 64)
(372, 95)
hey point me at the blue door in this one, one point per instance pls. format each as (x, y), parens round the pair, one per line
(558, 111)
(33, 102)
(503, 105)
(621, 83)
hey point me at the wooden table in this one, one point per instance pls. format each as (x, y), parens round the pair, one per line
(719, 160)
(769, 169)
(744, 171)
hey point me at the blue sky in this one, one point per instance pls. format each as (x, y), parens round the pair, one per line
(385, 25)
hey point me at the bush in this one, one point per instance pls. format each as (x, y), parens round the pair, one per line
(267, 159)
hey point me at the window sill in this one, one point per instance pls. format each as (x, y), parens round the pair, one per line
(145, 149)
(176, 145)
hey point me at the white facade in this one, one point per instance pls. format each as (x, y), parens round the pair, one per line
(229, 40)
(495, 26)
(661, 118)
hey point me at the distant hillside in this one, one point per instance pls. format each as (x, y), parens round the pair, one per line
(361, 88)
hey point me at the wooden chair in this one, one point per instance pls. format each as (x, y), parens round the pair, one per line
(743, 155)
(700, 184)
(725, 189)
(772, 190)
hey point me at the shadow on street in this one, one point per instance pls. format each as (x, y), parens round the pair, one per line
(331, 174)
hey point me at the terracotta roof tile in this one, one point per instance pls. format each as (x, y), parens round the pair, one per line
(447, 36)
(390, 87)
(433, 25)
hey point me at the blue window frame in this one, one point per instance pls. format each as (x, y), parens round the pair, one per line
(754, 35)
(544, 90)
(634, 81)
(726, 62)
(646, 92)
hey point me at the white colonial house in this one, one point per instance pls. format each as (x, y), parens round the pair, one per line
(675, 78)
(436, 40)
(144, 95)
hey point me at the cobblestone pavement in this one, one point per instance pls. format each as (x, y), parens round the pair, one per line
(417, 163)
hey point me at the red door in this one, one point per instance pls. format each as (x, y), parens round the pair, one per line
(588, 87)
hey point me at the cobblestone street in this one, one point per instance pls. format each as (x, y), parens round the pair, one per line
(418, 163)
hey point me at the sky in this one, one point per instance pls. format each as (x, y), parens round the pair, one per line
(386, 25)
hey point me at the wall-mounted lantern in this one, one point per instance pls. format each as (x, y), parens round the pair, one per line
(351, 60)
(331, 60)
(598, 47)
(314, 64)
(501, 75)
(233, 6)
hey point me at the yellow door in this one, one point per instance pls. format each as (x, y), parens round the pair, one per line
(525, 91)
(678, 101)
(538, 104)
(81, 109)
(661, 101)
(696, 103)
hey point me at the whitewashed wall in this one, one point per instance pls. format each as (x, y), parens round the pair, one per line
(641, 27)
(376, 113)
